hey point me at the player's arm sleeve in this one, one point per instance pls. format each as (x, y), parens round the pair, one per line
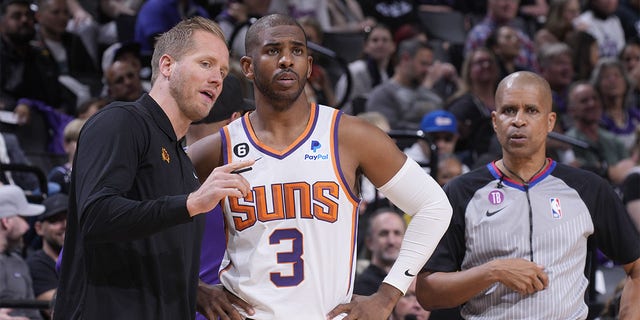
(417, 194)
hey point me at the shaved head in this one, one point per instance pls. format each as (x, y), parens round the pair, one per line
(526, 79)
(252, 39)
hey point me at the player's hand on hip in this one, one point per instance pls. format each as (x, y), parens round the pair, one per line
(224, 181)
(520, 275)
(215, 301)
(375, 307)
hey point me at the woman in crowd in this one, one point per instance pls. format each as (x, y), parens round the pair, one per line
(473, 103)
(559, 22)
(621, 116)
(630, 58)
(371, 70)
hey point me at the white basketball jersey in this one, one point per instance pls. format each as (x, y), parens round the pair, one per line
(291, 243)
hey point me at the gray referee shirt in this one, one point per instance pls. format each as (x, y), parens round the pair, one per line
(491, 221)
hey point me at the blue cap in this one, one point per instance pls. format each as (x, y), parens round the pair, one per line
(439, 121)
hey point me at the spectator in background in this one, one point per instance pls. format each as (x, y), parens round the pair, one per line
(347, 16)
(90, 107)
(584, 54)
(50, 226)
(404, 99)
(332, 15)
(374, 68)
(473, 103)
(393, 13)
(559, 22)
(631, 186)
(15, 278)
(158, 16)
(235, 19)
(628, 12)
(371, 197)
(11, 152)
(384, 235)
(66, 48)
(606, 155)
(123, 82)
(502, 12)
(122, 14)
(319, 88)
(441, 128)
(506, 46)
(408, 307)
(449, 167)
(130, 52)
(25, 70)
(407, 32)
(29, 85)
(621, 116)
(61, 175)
(556, 66)
(102, 23)
(601, 22)
(630, 58)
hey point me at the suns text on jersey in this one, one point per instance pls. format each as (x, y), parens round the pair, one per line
(290, 200)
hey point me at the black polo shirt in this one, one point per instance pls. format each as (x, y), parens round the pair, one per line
(131, 250)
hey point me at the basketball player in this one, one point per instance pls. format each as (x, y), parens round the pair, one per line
(291, 241)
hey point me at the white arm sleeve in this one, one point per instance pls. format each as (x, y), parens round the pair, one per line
(413, 191)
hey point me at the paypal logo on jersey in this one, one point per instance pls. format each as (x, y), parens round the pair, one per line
(315, 145)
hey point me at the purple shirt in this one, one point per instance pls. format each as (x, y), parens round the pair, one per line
(213, 246)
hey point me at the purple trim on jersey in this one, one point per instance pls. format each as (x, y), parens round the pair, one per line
(354, 249)
(223, 136)
(517, 185)
(337, 157)
(245, 126)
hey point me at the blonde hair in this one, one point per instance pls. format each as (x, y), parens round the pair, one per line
(178, 40)
(72, 130)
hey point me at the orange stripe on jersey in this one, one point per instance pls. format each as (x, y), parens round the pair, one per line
(304, 134)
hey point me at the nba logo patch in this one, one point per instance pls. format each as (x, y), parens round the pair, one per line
(556, 210)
